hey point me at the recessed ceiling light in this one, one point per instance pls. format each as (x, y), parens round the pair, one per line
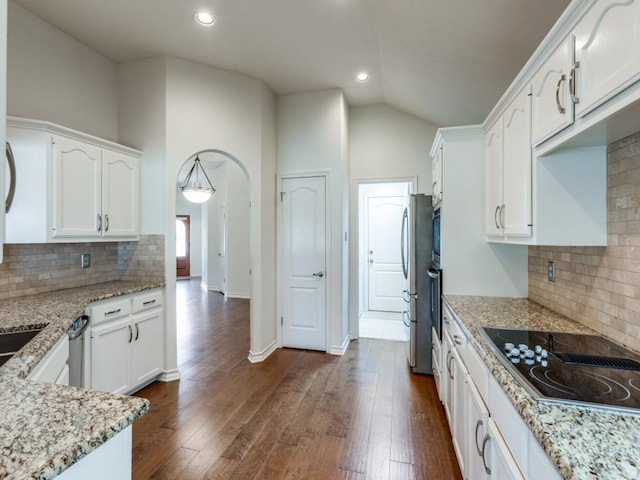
(362, 77)
(204, 18)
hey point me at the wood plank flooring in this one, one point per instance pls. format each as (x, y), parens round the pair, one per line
(299, 415)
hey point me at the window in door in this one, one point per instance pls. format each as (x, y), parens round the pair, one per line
(183, 264)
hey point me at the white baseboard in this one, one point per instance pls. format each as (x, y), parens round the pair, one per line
(262, 356)
(169, 376)
(342, 349)
(243, 296)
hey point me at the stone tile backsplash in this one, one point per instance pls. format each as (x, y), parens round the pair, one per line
(37, 268)
(600, 286)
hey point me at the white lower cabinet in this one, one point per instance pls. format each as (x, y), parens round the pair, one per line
(490, 438)
(436, 361)
(477, 422)
(501, 464)
(53, 368)
(127, 342)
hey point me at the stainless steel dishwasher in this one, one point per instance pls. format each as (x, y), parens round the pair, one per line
(79, 339)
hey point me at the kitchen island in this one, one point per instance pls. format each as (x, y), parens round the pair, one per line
(47, 428)
(582, 442)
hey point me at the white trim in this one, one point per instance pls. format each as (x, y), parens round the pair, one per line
(279, 279)
(262, 356)
(242, 296)
(342, 349)
(450, 132)
(354, 248)
(169, 375)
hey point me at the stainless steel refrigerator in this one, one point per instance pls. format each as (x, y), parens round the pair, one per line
(416, 252)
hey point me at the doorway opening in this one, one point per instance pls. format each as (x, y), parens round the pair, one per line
(183, 251)
(380, 302)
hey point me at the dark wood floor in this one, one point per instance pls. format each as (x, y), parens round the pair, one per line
(298, 415)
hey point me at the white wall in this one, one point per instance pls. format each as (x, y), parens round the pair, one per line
(238, 279)
(52, 76)
(208, 108)
(311, 136)
(384, 144)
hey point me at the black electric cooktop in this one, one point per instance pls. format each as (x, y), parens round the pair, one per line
(569, 368)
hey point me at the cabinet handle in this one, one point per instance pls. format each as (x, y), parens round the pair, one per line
(12, 178)
(99, 222)
(450, 356)
(502, 208)
(495, 217)
(106, 227)
(572, 82)
(479, 450)
(484, 449)
(130, 333)
(151, 302)
(457, 340)
(112, 312)
(561, 109)
(137, 332)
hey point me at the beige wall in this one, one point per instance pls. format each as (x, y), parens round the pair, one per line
(600, 286)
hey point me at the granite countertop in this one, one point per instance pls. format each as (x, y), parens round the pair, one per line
(583, 442)
(47, 428)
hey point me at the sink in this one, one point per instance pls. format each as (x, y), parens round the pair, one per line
(11, 342)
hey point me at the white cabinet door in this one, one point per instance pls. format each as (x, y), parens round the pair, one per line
(477, 424)
(497, 456)
(515, 212)
(120, 194)
(436, 360)
(607, 52)
(436, 172)
(111, 356)
(148, 342)
(551, 104)
(459, 411)
(447, 376)
(493, 179)
(76, 188)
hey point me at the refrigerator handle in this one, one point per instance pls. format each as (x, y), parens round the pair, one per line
(433, 273)
(405, 270)
(406, 319)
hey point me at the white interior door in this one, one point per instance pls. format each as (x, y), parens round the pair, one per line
(303, 228)
(386, 280)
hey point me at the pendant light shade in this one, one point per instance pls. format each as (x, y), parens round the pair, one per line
(197, 187)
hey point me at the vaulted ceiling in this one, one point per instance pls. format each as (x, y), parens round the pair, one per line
(447, 61)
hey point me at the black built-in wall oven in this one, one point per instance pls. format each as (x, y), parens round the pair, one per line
(435, 276)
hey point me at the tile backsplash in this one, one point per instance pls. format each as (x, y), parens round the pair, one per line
(37, 268)
(600, 286)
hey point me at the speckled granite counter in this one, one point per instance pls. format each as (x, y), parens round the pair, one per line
(46, 428)
(584, 443)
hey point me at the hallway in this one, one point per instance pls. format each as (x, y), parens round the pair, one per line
(298, 415)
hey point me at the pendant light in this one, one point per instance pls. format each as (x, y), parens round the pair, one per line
(194, 187)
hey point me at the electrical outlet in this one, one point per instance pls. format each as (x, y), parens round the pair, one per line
(551, 271)
(85, 260)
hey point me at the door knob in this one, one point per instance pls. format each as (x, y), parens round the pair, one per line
(319, 274)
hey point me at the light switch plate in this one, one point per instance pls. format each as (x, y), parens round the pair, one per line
(85, 260)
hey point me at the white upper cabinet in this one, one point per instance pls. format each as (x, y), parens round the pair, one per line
(508, 171)
(493, 179)
(607, 52)
(71, 187)
(552, 106)
(516, 167)
(120, 194)
(76, 188)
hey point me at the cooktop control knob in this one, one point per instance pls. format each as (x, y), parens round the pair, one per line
(543, 353)
(529, 354)
(515, 352)
(523, 347)
(538, 349)
(508, 347)
(543, 362)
